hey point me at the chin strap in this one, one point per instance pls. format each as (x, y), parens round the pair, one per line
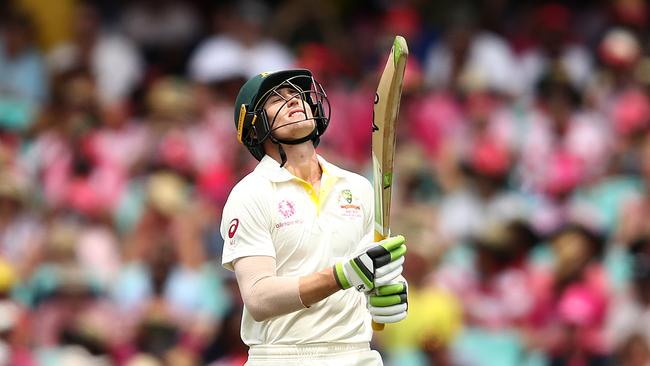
(279, 142)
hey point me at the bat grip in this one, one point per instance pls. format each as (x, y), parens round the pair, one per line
(378, 327)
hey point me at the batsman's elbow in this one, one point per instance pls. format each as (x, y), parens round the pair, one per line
(257, 312)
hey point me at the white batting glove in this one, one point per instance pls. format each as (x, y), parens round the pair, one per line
(389, 303)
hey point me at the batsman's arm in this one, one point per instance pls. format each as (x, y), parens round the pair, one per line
(266, 294)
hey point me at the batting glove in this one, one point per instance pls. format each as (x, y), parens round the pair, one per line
(389, 303)
(377, 266)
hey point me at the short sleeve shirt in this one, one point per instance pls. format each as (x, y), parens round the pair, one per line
(273, 213)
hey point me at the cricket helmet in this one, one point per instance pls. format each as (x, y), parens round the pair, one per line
(251, 121)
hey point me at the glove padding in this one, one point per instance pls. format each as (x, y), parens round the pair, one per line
(377, 266)
(389, 303)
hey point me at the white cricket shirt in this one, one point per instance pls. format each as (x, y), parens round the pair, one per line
(273, 213)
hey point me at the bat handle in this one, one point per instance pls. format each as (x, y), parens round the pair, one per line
(378, 327)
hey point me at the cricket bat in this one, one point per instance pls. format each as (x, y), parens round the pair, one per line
(385, 112)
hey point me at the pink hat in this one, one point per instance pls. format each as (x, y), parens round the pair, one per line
(413, 75)
(84, 198)
(402, 20)
(321, 60)
(564, 173)
(490, 158)
(432, 120)
(581, 306)
(215, 183)
(631, 112)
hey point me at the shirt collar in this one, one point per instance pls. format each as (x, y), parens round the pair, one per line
(270, 169)
(331, 169)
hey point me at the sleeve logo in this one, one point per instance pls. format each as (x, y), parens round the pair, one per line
(232, 229)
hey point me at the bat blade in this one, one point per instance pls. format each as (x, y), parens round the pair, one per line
(385, 112)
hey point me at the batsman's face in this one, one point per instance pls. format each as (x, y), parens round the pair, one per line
(290, 116)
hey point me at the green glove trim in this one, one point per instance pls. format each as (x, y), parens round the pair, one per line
(393, 242)
(362, 274)
(393, 289)
(383, 301)
(400, 251)
(340, 278)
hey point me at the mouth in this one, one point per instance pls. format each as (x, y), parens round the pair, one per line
(294, 111)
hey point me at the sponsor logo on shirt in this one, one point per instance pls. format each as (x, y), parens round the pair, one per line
(286, 208)
(232, 230)
(288, 223)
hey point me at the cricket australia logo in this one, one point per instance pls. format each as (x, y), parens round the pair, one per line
(286, 208)
(347, 195)
(347, 204)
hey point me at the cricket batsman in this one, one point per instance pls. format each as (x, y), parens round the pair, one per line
(298, 233)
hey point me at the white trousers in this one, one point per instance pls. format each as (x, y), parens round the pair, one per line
(321, 354)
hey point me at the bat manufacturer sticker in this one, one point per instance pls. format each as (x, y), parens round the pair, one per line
(374, 125)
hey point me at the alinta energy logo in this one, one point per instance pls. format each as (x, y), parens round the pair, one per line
(286, 208)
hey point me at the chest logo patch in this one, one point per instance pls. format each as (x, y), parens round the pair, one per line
(349, 206)
(286, 208)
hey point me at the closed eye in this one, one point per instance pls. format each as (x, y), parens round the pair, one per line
(275, 98)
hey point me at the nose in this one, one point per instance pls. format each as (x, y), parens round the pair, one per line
(294, 98)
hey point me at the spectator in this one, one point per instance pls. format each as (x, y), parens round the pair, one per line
(164, 30)
(554, 43)
(630, 315)
(435, 319)
(634, 352)
(470, 57)
(168, 272)
(571, 302)
(111, 59)
(631, 226)
(486, 198)
(629, 113)
(21, 231)
(620, 53)
(23, 78)
(238, 46)
(14, 322)
(496, 289)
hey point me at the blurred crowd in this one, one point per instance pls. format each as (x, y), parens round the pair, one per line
(522, 168)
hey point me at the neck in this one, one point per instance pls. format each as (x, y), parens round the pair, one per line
(301, 160)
